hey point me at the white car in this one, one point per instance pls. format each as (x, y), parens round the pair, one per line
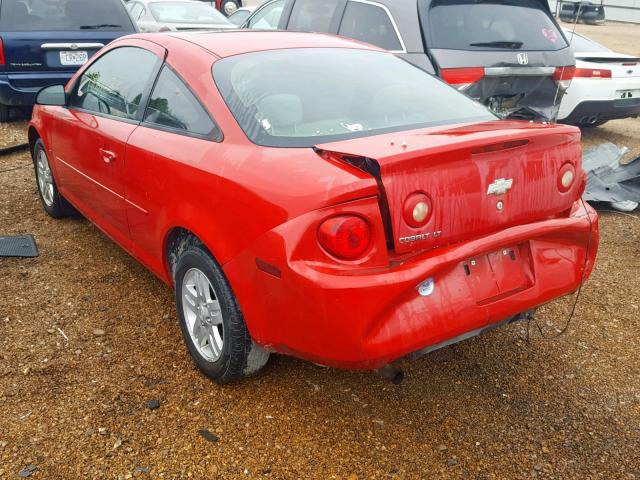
(170, 15)
(606, 85)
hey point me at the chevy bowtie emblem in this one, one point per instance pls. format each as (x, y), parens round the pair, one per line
(500, 186)
(523, 59)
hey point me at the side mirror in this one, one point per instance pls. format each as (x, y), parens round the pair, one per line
(53, 95)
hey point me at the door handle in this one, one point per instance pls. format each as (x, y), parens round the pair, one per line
(107, 155)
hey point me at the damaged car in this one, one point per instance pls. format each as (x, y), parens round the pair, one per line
(510, 55)
(313, 196)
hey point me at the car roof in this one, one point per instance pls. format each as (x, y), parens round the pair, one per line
(236, 42)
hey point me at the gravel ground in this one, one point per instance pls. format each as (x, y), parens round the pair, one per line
(96, 383)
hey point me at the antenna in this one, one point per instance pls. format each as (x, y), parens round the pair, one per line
(573, 31)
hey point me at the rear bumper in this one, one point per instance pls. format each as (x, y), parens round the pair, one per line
(594, 110)
(20, 89)
(365, 320)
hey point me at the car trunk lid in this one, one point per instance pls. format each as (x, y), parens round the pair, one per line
(620, 66)
(480, 178)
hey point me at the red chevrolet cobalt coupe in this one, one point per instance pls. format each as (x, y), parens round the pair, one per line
(313, 196)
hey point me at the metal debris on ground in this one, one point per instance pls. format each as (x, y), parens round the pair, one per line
(18, 246)
(13, 149)
(610, 181)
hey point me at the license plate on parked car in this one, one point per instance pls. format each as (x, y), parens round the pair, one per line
(74, 58)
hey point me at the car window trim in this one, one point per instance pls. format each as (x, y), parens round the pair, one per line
(389, 15)
(219, 138)
(143, 100)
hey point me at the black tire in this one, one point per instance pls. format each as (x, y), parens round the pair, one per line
(56, 205)
(239, 356)
(4, 113)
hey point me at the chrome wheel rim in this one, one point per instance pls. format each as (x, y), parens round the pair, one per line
(45, 180)
(230, 7)
(202, 314)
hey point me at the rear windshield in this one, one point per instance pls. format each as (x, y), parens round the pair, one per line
(65, 15)
(304, 97)
(583, 44)
(187, 12)
(489, 25)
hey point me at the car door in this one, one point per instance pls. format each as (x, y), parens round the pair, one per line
(176, 136)
(106, 105)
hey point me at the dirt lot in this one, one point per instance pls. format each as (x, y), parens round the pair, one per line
(89, 337)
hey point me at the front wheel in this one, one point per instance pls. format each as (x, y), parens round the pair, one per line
(210, 319)
(52, 201)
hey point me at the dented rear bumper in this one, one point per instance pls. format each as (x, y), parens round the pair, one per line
(365, 319)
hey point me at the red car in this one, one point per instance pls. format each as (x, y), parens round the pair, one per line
(312, 195)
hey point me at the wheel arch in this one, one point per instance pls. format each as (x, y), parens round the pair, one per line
(176, 239)
(33, 136)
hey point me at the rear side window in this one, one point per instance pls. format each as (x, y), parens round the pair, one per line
(313, 15)
(370, 23)
(173, 106)
(109, 87)
(489, 25)
(69, 15)
(268, 17)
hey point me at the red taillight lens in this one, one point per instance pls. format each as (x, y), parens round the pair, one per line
(456, 76)
(592, 73)
(417, 210)
(345, 236)
(564, 73)
(2, 61)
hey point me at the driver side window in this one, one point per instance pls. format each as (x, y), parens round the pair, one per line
(108, 86)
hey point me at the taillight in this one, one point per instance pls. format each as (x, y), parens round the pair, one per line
(592, 73)
(461, 77)
(564, 75)
(2, 61)
(417, 210)
(566, 177)
(345, 236)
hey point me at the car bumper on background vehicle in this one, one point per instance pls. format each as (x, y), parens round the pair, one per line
(20, 89)
(366, 318)
(596, 110)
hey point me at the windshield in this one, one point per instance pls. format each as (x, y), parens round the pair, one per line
(304, 97)
(70, 15)
(187, 12)
(489, 25)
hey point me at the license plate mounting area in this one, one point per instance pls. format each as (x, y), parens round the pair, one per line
(498, 274)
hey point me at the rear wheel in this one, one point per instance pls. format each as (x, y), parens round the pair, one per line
(52, 202)
(229, 6)
(4, 113)
(210, 319)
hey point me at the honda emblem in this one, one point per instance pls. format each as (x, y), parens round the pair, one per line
(523, 59)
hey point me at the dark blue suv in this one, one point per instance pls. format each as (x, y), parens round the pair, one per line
(43, 42)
